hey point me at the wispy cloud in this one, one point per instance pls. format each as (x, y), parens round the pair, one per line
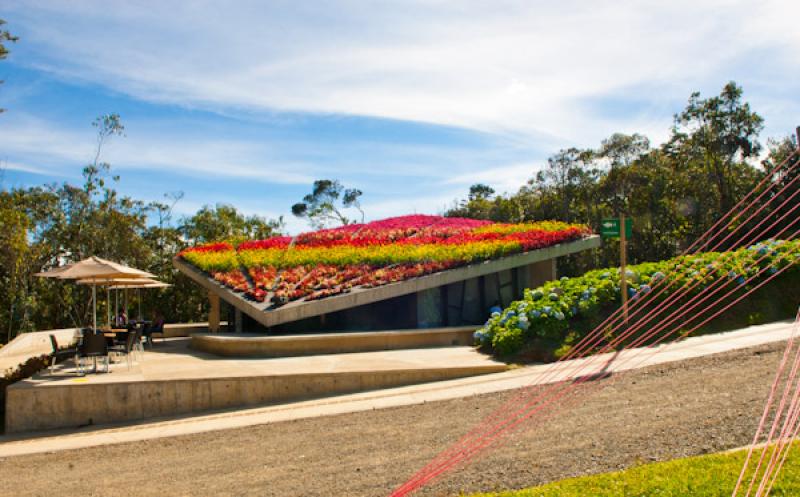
(505, 67)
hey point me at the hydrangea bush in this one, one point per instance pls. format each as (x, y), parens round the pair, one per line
(561, 312)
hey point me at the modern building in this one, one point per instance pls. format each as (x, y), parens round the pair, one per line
(453, 297)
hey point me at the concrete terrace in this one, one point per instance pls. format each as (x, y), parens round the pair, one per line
(172, 379)
(11, 445)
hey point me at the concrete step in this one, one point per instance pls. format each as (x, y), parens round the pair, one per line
(254, 345)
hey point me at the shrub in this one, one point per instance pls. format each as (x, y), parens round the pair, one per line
(562, 312)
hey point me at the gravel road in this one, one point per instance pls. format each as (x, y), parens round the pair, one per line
(662, 412)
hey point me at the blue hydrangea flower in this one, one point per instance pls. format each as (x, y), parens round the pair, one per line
(559, 315)
(547, 309)
(740, 280)
(564, 278)
(536, 314)
(553, 296)
(537, 294)
(645, 289)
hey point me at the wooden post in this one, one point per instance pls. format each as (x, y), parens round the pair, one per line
(213, 312)
(623, 262)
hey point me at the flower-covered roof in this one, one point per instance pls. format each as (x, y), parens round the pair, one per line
(328, 262)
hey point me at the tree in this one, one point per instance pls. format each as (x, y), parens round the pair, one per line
(718, 135)
(479, 191)
(320, 206)
(224, 222)
(5, 36)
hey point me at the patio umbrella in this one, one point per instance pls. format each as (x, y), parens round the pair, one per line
(94, 271)
(145, 283)
(125, 283)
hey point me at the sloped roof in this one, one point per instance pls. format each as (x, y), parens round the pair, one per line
(283, 279)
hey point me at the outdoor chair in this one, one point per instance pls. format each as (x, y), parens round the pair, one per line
(95, 346)
(137, 342)
(151, 328)
(125, 348)
(61, 353)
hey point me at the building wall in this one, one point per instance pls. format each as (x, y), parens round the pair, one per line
(463, 303)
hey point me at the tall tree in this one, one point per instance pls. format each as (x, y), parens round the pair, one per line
(322, 206)
(718, 135)
(5, 36)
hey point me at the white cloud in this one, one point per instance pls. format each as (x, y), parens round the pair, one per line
(58, 152)
(506, 67)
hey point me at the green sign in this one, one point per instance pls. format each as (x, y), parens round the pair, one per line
(609, 228)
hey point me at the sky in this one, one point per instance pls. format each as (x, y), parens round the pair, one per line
(247, 103)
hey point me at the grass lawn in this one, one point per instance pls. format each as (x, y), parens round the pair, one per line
(705, 476)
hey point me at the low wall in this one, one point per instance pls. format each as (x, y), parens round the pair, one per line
(32, 344)
(251, 345)
(35, 343)
(41, 407)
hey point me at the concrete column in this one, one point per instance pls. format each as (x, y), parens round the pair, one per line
(213, 312)
(541, 272)
(237, 319)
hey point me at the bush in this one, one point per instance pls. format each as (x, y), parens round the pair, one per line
(562, 312)
(25, 370)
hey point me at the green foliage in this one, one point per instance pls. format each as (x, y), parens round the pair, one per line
(5, 36)
(225, 223)
(674, 193)
(561, 312)
(321, 208)
(44, 227)
(12, 375)
(712, 475)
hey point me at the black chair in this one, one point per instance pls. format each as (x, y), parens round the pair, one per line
(61, 353)
(95, 346)
(126, 348)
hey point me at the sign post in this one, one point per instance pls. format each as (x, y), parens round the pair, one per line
(610, 228)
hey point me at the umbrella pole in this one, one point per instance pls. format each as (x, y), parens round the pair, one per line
(94, 306)
(108, 305)
(139, 294)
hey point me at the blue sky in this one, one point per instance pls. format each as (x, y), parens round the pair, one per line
(247, 103)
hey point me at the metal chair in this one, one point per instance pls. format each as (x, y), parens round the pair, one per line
(59, 353)
(95, 346)
(125, 348)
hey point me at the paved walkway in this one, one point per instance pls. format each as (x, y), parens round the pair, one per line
(520, 377)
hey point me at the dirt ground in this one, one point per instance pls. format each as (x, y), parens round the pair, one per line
(663, 412)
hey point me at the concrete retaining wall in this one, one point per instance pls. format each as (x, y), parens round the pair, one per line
(243, 345)
(42, 407)
(32, 344)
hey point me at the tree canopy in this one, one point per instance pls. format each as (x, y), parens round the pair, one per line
(674, 192)
(323, 207)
